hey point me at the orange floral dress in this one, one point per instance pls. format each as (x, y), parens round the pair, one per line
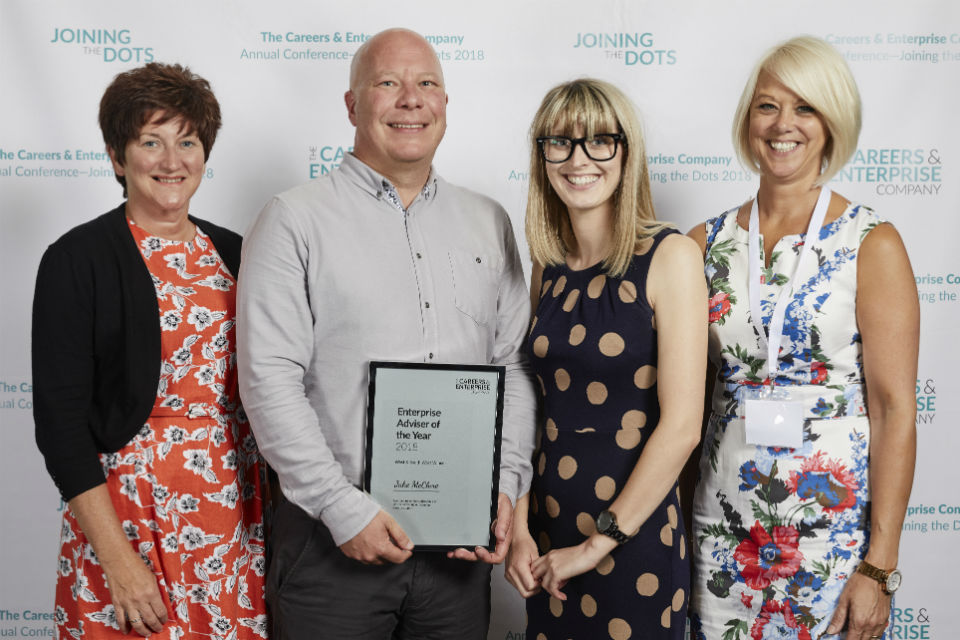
(187, 487)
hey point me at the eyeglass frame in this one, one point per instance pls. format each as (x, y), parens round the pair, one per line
(618, 139)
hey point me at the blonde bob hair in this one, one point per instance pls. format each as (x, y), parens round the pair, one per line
(816, 72)
(596, 107)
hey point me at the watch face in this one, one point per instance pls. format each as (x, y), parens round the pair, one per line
(893, 581)
(604, 521)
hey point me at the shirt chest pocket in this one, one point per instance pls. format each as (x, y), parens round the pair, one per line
(476, 284)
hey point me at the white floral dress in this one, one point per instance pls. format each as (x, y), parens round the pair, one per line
(187, 487)
(777, 531)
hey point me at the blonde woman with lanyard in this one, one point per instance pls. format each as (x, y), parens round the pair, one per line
(808, 456)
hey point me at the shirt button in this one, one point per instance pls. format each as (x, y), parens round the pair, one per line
(426, 304)
(431, 356)
(478, 260)
(418, 255)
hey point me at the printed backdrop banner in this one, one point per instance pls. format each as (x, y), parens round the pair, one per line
(280, 71)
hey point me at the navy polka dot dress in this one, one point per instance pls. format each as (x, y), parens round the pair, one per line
(593, 346)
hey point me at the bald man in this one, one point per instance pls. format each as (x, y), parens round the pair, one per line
(381, 259)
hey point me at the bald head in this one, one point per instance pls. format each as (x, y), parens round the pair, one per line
(384, 41)
(398, 104)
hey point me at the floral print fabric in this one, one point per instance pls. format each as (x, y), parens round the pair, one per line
(187, 487)
(777, 531)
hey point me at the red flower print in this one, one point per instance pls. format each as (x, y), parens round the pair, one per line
(831, 483)
(746, 600)
(818, 373)
(767, 557)
(779, 615)
(719, 307)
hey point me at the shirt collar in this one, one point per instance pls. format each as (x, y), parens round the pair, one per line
(381, 188)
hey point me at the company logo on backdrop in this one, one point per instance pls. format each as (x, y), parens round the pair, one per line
(340, 45)
(938, 288)
(884, 48)
(911, 623)
(108, 44)
(695, 166)
(60, 163)
(933, 518)
(631, 48)
(322, 159)
(26, 623)
(685, 168)
(896, 172)
(926, 400)
(16, 395)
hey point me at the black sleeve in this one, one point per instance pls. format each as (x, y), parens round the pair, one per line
(63, 371)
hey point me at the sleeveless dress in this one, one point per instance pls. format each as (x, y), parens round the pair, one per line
(593, 346)
(187, 487)
(778, 531)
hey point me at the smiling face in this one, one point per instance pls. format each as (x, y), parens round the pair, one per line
(398, 104)
(787, 136)
(162, 167)
(585, 185)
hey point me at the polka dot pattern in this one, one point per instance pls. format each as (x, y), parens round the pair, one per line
(679, 597)
(558, 287)
(595, 288)
(611, 344)
(666, 535)
(619, 629)
(567, 467)
(544, 541)
(605, 487)
(665, 618)
(553, 507)
(588, 605)
(597, 393)
(633, 419)
(605, 566)
(556, 607)
(577, 333)
(645, 377)
(540, 346)
(586, 524)
(647, 584)
(593, 349)
(627, 291)
(628, 438)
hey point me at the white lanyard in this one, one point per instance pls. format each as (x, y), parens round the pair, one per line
(783, 300)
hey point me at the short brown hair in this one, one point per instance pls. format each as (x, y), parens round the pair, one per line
(135, 96)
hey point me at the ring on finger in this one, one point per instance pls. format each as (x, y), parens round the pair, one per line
(136, 620)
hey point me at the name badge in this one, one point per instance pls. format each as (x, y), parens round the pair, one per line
(773, 419)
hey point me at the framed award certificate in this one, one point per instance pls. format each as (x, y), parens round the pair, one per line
(433, 450)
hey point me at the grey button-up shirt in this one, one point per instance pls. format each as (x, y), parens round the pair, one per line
(333, 276)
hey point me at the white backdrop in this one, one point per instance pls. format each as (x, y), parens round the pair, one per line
(280, 73)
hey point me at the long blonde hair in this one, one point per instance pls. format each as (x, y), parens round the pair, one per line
(597, 107)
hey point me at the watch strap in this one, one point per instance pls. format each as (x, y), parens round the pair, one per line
(876, 573)
(613, 530)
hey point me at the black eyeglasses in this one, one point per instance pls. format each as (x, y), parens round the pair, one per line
(598, 147)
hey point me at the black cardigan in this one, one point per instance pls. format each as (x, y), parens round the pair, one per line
(96, 345)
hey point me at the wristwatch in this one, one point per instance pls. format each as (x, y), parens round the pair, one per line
(607, 525)
(889, 580)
